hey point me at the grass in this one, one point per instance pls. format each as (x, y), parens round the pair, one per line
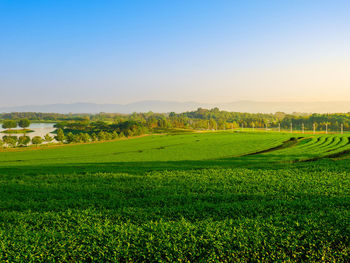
(219, 197)
(17, 131)
(184, 147)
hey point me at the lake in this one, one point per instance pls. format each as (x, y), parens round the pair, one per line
(40, 129)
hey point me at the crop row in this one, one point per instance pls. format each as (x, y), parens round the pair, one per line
(214, 215)
(313, 148)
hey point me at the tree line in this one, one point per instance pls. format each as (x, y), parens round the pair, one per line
(202, 119)
(23, 141)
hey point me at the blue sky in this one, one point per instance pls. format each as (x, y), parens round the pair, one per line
(205, 51)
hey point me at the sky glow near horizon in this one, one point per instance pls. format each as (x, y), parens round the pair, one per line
(205, 51)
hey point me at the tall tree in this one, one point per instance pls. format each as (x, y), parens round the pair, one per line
(48, 138)
(9, 124)
(23, 140)
(23, 123)
(10, 140)
(60, 136)
(70, 137)
(37, 140)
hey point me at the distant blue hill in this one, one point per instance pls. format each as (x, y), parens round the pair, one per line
(168, 106)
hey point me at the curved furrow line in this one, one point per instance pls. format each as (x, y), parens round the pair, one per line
(300, 150)
(334, 153)
(343, 142)
(335, 142)
(307, 142)
(328, 143)
(314, 144)
(287, 144)
(340, 150)
(326, 140)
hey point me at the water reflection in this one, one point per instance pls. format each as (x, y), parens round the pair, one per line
(40, 129)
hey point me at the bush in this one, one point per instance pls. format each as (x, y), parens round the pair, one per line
(84, 137)
(23, 140)
(10, 140)
(101, 136)
(70, 137)
(8, 124)
(48, 138)
(36, 140)
(94, 137)
(60, 136)
(115, 135)
(24, 123)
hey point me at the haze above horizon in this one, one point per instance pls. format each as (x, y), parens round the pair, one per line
(204, 51)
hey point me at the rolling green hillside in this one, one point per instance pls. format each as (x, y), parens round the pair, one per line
(222, 197)
(198, 146)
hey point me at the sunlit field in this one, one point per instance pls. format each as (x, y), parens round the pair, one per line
(225, 196)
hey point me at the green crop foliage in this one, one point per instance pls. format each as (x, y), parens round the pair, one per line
(194, 197)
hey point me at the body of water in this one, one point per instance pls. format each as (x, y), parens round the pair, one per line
(40, 129)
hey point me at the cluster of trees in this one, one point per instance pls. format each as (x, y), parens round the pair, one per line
(320, 121)
(224, 119)
(116, 129)
(55, 117)
(14, 141)
(9, 124)
(205, 119)
(81, 131)
(84, 137)
(40, 116)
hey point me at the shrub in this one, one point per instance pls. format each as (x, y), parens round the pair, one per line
(60, 136)
(36, 140)
(23, 140)
(48, 138)
(70, 137)
(24, 123)
(8, 124)
(10, 140)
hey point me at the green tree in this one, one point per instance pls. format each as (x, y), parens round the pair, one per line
(48, 138)
(23, 140)
(1, 143)
(85, 137)
(60, 136)
(9, 124)
(108, 136)
(94, 137)
(24, 123)
(77, 138)
(36, 140)
(115, 135)
(10, 140)
(101, 136)
(70, 137)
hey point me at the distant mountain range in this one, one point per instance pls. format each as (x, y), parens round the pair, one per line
(169, 106)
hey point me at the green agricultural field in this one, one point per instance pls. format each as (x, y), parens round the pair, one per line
(191, 197)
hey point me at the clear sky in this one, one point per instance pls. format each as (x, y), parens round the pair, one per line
(185, 50)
